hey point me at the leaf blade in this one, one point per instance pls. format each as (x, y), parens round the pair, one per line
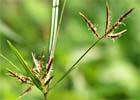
(26, 67)
(10, 62)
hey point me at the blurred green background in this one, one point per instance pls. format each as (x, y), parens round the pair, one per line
(110, 71)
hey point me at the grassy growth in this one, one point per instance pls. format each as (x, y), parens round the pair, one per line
(40, 74)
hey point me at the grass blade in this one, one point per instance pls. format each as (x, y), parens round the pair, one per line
(10, 62)
(8, 32)
(26, 67)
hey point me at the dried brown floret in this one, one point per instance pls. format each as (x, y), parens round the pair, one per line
(115, 35)
(23, 79)
(107, 17)
(91, 26)
(119, 21)
(25, 92)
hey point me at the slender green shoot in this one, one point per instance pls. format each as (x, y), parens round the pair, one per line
(25, 66)
(77, 61)
(10, 62)
(107, 34)
(61, 16)
(54, 25)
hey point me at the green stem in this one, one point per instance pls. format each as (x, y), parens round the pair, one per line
(45, 96)
(60, 19)
(61, 16)
(54, 25)
(80, 58)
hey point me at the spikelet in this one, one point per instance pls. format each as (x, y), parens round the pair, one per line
(48, 66)
(36, 62)
(115, 35)
(107, 17)
(119, 21)
(49, 79)
(23, 79)
(25, 92)
(41, 61)
(91, 26)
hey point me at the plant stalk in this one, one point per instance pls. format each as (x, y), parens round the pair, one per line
(45, 96)
(61, 16)
(54, 25)
(80, 58)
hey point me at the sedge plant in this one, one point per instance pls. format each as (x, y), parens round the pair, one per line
(40, 74)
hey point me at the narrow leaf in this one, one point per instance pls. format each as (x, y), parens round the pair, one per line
(26, 67)
(10, 62)
(8, 32)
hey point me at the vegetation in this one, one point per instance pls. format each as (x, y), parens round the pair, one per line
(107, 72)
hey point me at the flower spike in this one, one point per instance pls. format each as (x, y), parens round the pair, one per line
(107, 17)
(89, 24)
(116, 35)
(118, 22)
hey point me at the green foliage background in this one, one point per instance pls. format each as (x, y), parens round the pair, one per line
(109, 72)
